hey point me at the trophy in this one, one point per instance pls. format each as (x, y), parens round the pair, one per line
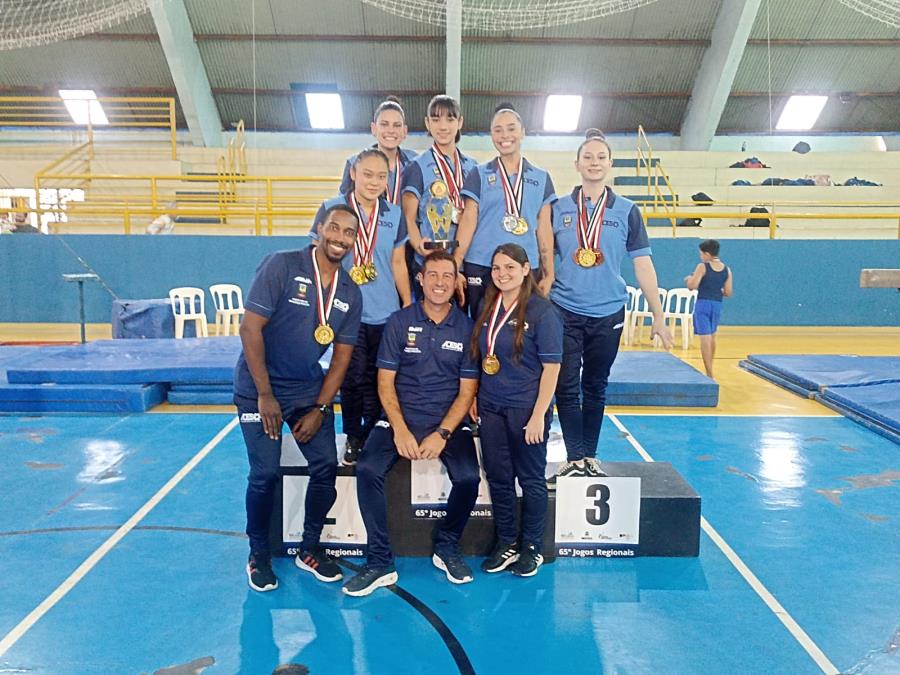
(440, 213)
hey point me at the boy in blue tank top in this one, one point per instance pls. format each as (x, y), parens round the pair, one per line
(712, 280)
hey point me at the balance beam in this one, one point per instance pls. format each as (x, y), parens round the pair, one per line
(873, 278)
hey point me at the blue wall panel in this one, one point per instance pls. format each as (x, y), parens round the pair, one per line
(804, 283)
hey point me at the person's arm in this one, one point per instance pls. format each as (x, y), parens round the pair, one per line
(534, 430)
(728, 289)
(410, 205)
(254, 345)
(308, 425)
(692, 281)
(433, 445)
(401, 275)
(403, 437)
(646, 277)
(545, 248)
(465, 232)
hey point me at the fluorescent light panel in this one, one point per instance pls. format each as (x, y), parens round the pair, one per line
(325, 111)
(561, 112)
(83, 106)
(801, 112)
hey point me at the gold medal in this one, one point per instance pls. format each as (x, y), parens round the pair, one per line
(490, 364)
(600, 257)
(371, 272)
(438, 189)
(586, 257)
(358, 275)
(521, 226)
(324, 334)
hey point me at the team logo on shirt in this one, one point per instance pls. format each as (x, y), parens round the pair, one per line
(515, 322)
(567, 221)
(411, 347)
(437, 171)
(301, 291)
(611, 223)
(249, 418)
(452, 346)
(303, 280)
(341, 305)
(492, 179)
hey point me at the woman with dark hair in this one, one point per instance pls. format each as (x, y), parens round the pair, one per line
(378, 266)
(594, 230)
(507, 200)
(432, 182)
(389, 129)
(518, 339)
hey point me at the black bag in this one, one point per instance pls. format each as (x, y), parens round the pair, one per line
(757, 222)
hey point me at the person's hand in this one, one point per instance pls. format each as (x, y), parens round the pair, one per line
(308, 426)
(432, 446)
(534, 430)
(461, 284)
(270, 414)
(544, 285)
(687, 278)
(661, 330)
(473, 411)
(420, 249)
(406, 444)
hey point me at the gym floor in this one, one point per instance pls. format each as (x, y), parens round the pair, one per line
(124, 549)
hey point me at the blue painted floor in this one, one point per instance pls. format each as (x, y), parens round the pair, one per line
(810, 505)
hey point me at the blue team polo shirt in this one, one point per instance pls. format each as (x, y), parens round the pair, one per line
(405, 157)
(380, 298)
(483, 185)
(429, 360)
(516, 385)
(596, 291)
(284, 291)
(417, 180)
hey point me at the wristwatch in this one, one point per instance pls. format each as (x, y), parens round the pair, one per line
(324, 409)
(444, 433)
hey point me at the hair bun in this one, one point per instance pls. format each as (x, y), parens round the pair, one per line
(593, 133)
(506, 105)
(392, 99)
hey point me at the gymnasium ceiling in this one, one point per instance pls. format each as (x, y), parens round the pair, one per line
(636, 67)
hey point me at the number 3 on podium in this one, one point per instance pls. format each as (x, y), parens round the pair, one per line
(599, 513)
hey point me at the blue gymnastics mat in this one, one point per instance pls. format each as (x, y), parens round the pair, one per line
(80, 397)
(876, 406)
(132, 362)
(660, 379)
(814, 372)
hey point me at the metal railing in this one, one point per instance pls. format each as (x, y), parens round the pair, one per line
(122, 112)
(656, 175)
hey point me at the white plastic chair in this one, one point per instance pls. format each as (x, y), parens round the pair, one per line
(642, 312)
(629, 310)
(680, 308)
(188, 304)
(229, 302)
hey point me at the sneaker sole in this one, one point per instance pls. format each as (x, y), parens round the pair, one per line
(387, 580)
(437, 562)
(321, 577)
(534, 571)
(259, 589)
(509, 561)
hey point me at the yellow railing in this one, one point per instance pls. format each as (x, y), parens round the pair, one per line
(656, 176)
(122, 112)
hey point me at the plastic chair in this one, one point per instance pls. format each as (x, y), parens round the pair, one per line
(188, 304)
(642, 312)
(629, 310)
(229, 302)
(680, 308)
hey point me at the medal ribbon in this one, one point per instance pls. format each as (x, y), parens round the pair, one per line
(589, 232)
(494, 332)
(324, 310)
(453, 179)
(363, 251)
(394, 195)
(512, 194)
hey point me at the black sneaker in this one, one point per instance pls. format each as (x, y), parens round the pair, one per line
(319, 564)
(566, 470)
(530, 559)
(369, 579)
(592, 468)
(501, 557)
(260, 574)
(458, 572)
(351, 453)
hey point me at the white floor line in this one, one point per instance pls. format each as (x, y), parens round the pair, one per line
(35, 615)
(714, 413)
(778, 610)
